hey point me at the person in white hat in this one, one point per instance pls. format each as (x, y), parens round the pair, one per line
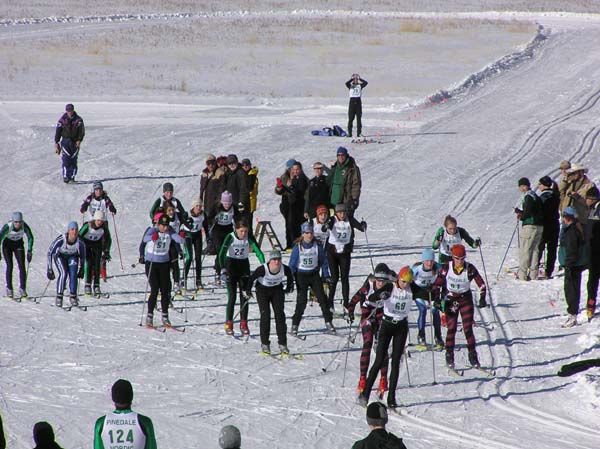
(96, 237)
(578, 185)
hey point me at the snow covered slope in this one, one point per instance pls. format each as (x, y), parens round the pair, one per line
(461, 157)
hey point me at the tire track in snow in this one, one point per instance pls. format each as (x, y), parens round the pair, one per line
(481, 182)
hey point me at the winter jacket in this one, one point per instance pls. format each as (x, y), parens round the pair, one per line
(354, 224)
(285, 205)
(531, 214)
(575, 197)
(70, 128)
(252, 184)
(211, 187)
(571, 252)
(103, 203)
(550, 215)
(9, 232)
(236, 184)
(345, 184)
(317, 193)
(295, 257)
(380, 439)
(593, 232)
(179, 210)
(292, 196)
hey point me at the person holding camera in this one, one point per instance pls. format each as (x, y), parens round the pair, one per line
(292, 190)
(577, 186)
(355, 86)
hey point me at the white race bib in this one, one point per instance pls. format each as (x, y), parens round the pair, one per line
(457, 283)
(309, 258)
(123, 431)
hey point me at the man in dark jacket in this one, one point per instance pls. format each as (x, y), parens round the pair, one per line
(344, 182)
(236, 183)
(550, 222)
(211, 187)
(379, 438)
(571, 256)
(592, 199)
(530, 214)
(43, 436)
(317, 192)
(70, 131)
(292, 191)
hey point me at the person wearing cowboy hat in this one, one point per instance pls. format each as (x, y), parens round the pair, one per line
(563, 184)
(579, 184)
(592, 199)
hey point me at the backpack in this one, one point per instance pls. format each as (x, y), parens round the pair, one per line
(338, 131)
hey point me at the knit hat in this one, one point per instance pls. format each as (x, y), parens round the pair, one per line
(427, 254)
(226, 198)
(211, 157)
(306, 227)
(157, 217)
(377, 414)
(459, 251)
(290, 163)
(564, 165)
(97, 185)
(524, 182)
(72, 225)
(230, 438)
(569, 212)
(196, 202)
(576, 168)
(99, 215)
(164, 220)
(341, 150)
(275, 254)
(382, 272)
(546, 181)
(592, 193)
(167, 187)
(232, 159)
(122, 392)
(340, 207)
(405, 274)
(17, 216)
(246, 161)
(69, 107)
(43, 434)
(321, 208)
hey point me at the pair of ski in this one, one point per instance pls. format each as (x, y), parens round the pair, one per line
(162, 328)
(98, 295)
(460, 372)
(72, 306)
(426, 347)
(15, 299)
(282, 356)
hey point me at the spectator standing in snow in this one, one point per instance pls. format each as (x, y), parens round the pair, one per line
(344, 182)
(43, 436)
(230, 438)
(550, 222)
(578, 185)
(211, 187)
(571, 256)
(355, 86)
(592, 198)
(292, 189)
(252, 187)
(70, 131)
(530, 216)
(377, 418)
(317, 192)
(236, 184)
(563, 184)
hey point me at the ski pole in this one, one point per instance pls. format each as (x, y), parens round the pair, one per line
(44, 292)
(432, 339)
(506, 252)
(369, 248)
(146, 292)
(346, 361)
(485, 273)
(117, 239)
(406, 363)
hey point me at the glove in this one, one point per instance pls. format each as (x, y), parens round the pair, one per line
(477, 242)
(364, 225)
(154, 236)
(182, 234)
(350, 315)
(248, 293)
(57, 148)
(29, 255)
(482, 303)
(80, 272)
(106, 256)
(50, 274)
(224, 275)
(328, 280)
(279, 183)
(112, 209)
(141, 260)
(77, 144)
(289, 288)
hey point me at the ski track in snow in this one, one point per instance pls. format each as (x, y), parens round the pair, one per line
(191, 384)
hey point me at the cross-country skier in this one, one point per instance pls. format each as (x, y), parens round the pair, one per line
(176, 251)
(270, 278)
(306, 261)
(97, 240)
(454, 281)
(339, 251)
(123, 428)
(355, 85)
(193, 240)
(70, 131)
(67, 252)
(449, 235)
(157, 256)
(319, 223)
(424, 274)
(233, 258)
(97, 200)
(394, 331)
(226, 215)
(168, 196)
(376, 289)
(11, 240)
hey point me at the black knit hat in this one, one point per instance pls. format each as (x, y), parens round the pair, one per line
(232, 159)
(377, 414)
(122, 392)
(524, 182)
(167, 187)
(43, 434)
(546, 181)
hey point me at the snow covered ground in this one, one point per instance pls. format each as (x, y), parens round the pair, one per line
(463, 157)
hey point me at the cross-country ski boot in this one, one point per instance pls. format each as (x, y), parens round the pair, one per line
(283, 350)
(591, 308)
(58, 302)
(97, 292)
(330, 328)
(362, 400)
(244, 327)
(150, 320)
(450, 359)
(383, 387)
(362, 383)
(229, 327)
(265, 349)
(473, 360)
(9, 293)
(294, 330)
(391, 403)
(74, 300)
(87, 290)
(571, 321)
(421, 342)
(165, 320)
(439, 344)
(23, 293)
